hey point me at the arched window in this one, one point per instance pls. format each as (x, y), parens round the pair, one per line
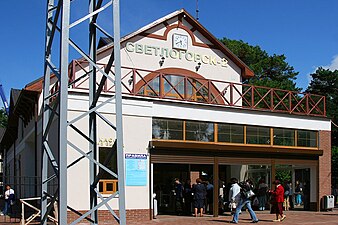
(181, 84)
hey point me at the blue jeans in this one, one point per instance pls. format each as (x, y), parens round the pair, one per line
(7, 207)
(239, 207)
(262, 202)
(298, 199)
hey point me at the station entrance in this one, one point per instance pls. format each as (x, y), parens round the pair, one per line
(216, 180)
(217, 185)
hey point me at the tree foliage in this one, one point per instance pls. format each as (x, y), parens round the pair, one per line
(3, 118)
(270, 70)
(334, 165)
(325, 82)
(283, 172)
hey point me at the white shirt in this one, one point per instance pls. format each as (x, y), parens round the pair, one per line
(234, 193)
(8, 193)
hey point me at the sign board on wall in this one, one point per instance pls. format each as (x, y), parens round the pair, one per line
(213, 60)
(136, 169)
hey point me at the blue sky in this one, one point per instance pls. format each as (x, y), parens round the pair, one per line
(304, 30)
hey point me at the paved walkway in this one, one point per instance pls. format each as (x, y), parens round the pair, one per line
(293, 218)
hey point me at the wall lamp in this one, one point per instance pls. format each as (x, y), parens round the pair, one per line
(198, 66)
(130, 80)
(161, 61)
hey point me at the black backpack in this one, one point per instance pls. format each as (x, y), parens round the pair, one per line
(246, 189)
(245, 186)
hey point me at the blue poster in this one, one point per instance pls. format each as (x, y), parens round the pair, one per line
(136, 169)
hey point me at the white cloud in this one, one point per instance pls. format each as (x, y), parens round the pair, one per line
(333, 65)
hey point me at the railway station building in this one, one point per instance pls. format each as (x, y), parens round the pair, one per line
(187, 113)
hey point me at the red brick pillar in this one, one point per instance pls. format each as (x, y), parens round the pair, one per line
(324, 175)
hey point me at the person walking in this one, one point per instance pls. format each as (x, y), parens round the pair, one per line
(9, 200)
(234, 194)
(245, 201)
(277, 204)
(200, 193)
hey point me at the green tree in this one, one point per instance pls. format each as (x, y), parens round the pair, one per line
(270, 70)
(334, 164)
(325, 82)
(3, 118)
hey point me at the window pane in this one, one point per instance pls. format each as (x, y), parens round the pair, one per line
(173, 86)
(167, 129)
(231, 133)
(104, 153)
(196, 92)
(199, 131)
(152, 88)
(307, 138)
(257, 135)
(285, 137)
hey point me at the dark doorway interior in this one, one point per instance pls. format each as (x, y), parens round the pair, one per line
(303, 177)
(164, 185)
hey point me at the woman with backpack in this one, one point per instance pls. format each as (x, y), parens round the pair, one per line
(246, 194)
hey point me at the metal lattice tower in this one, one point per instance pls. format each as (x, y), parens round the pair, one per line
(55, 107)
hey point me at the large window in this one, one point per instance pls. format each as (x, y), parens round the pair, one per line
(284, 137)
(257, 135)
(306, 138)
(167, 129)
(171, 129)
(230, 133)
(199, 131)
(108, 183)
(178, 87)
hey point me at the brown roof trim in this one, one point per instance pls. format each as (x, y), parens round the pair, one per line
(24, 108)
(232, 149)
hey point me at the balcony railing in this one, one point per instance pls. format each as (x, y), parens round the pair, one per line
(152, 84)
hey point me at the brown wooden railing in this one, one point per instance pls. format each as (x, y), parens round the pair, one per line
(141, 82)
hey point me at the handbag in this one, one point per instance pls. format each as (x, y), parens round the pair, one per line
(249, 194)
(232, 205)
(255, 202)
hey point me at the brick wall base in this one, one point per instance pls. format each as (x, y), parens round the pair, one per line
(105, 217)
(324, 176)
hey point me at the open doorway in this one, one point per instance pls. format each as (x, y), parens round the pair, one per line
(164, 186)
(302, 188)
